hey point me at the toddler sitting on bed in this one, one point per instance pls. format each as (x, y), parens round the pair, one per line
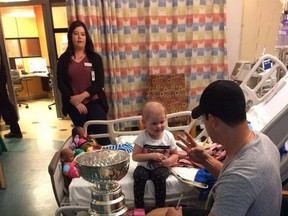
(155, 150)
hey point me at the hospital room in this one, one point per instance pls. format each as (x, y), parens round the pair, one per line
(158, 59)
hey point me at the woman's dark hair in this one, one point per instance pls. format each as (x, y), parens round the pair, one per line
(89, 47)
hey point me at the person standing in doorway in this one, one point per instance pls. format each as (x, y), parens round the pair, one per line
(80, 79)
(7, 109)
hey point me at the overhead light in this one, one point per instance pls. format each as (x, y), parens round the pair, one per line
(13, 0)
(21, 14)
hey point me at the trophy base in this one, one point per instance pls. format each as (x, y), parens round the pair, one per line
(107, 199)
(122, 212)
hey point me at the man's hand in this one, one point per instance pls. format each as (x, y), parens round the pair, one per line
(174, 212)
(199, 155)
(195, 152)
(165, 211)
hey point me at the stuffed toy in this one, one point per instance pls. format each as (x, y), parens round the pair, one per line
(69, 166)
(81, 140)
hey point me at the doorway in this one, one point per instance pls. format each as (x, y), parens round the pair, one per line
(31, 46)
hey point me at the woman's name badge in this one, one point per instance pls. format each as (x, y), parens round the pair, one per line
(93, 75)
(87, 64)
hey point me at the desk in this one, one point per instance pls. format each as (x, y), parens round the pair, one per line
(33, 86)
(34, 75)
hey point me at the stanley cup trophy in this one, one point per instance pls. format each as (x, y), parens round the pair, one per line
(104, 168)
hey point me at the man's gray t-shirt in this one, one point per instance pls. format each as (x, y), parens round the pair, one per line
(250, 183)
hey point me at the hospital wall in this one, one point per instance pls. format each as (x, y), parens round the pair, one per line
(259, 28)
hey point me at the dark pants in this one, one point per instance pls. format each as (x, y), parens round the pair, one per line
(8, 112)
(95, 112)
(158, 177)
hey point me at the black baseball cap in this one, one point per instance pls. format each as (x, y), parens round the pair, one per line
(222, 98)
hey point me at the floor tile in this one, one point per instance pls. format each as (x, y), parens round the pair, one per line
(28, 189)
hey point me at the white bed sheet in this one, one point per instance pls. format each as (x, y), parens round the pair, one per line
(80, 189)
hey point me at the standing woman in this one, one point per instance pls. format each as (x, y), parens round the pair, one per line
(80, 79)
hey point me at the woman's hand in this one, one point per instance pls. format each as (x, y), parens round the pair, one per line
(79, 98)
(76, 99)
(81, 108)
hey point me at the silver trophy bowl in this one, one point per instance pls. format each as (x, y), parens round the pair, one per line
(104, 168)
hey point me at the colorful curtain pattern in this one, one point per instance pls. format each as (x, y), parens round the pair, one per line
(139, 38)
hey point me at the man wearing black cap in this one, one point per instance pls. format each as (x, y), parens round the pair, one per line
(248, 180)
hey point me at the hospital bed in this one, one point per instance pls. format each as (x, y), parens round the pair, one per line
(78, 193)
(265, 86)
(258, 80)
(271, 118)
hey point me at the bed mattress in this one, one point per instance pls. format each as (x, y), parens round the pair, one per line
(80, 189)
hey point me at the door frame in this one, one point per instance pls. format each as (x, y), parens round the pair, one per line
(51, 46)
(4, 57)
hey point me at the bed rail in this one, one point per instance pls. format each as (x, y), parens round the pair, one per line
(112, 125)
(60, 189)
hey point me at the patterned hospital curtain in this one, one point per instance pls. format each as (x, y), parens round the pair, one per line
(137, 38)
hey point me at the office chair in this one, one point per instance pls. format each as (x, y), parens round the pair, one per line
(50, 106)
(18, 85)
